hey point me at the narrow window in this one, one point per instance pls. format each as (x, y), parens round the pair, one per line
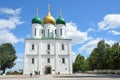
(42, 31)
(61, 32)
(48, 32)
(63, 47)
(33, 47)
(63, 60)
(35, 31)
(48, 46)
(48, 60)
(33, 61)
(55, 31)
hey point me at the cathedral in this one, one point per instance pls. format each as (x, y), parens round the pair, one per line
(48, 51)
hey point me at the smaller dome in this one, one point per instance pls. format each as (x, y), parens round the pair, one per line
(36, 19)
(60, 20)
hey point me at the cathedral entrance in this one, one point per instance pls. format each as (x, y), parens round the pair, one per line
(48, 69)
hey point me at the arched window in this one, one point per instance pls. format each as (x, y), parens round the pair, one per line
(42, 31)
(62, 46)
(33, 47)
(48, 60)
(48, 46)
(48, 32)
(61, 31)
(35, 31)
(33, 61)
(63, 60)
(55, 32)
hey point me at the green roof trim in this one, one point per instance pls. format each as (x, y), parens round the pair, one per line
(36, 19)
(60, 20)
(46, 39)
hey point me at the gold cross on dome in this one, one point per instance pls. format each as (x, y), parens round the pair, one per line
(48, 7)
(60, 12)
(36, 11)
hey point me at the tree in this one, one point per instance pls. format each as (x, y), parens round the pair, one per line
(7, 56)
(85, 66)
(105, 56)
(78, 64)
(115, 56)
(97, 59)
(92, 60)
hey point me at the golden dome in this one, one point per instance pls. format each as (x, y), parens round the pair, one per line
(49, 18)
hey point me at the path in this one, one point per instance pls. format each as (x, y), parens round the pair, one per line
(62, 77)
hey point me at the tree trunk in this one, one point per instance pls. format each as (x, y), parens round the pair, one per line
(3, 71)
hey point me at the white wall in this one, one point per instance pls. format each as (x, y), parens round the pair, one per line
(40, 55)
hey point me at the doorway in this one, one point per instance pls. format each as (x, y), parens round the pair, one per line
(48, 69)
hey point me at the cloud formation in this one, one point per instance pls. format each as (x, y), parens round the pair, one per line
(76, 35)
(90, 45)
(10, 11)
(114, 32)
(110, 21)
(7, 24)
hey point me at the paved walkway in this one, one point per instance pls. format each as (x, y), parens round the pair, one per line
(62, 77)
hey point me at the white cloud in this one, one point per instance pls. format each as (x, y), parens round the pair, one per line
(110, 42)
(114, 32)
(74, 56)
(10, 23)
(6, 36)
(90, 29)
(10, 11)
(76, 35)
(110, 21)
(6, 25)
(88, 47)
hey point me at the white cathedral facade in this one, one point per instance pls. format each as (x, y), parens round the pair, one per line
(48, 51)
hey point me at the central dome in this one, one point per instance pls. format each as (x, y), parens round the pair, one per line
(48, 19)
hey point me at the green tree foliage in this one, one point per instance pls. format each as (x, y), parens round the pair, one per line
(115, 56)
(98, 56)
(85, 66)
(7, 56)
(105, 56)
(79, 64)
(92, 60)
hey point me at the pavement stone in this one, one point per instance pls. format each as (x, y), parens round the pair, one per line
(62, 77)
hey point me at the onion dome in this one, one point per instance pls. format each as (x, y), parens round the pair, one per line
(36, 19)
(60, 20)
(49, 18)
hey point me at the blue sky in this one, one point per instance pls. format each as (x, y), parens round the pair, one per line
(88, 21)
